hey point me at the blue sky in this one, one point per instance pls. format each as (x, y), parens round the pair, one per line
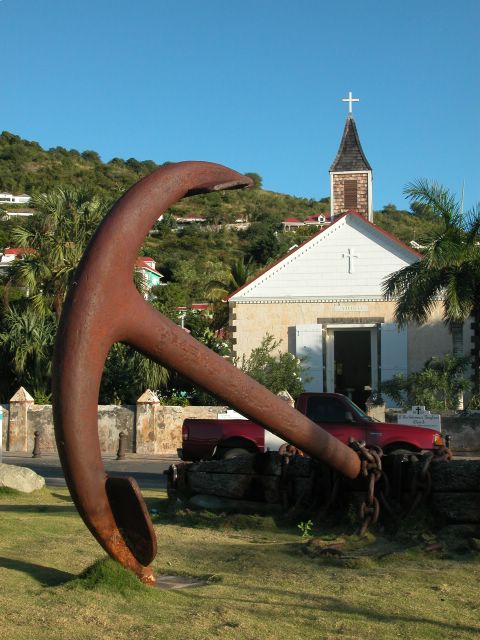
(256, 85)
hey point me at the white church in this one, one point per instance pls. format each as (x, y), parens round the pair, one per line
(324, 300)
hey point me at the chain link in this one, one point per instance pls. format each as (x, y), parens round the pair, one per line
(371, 469)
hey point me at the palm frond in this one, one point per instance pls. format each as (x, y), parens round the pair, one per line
(438, 198)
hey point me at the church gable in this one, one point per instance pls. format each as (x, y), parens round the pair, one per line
(348, 260)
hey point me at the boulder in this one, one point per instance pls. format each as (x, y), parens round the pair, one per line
(20, 478)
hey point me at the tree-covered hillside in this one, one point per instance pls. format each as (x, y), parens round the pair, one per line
(25, 167)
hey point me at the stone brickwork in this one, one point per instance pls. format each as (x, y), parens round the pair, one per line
(151, 428)
(338, 192)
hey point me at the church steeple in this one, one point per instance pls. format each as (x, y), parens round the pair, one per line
(350, 156)
(350, 173)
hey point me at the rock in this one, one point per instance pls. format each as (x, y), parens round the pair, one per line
(20, 478)
(215, 503)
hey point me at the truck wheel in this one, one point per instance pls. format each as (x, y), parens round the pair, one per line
(235, 452)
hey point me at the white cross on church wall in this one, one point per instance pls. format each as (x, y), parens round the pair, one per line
(350, 100)
(350, 256)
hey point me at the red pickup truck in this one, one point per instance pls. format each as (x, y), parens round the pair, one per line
(337, 414)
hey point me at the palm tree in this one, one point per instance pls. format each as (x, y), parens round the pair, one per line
(27, 339)
(448, 271)
(57, 235)
(241, 271)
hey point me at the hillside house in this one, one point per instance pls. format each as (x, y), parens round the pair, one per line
(10, 198)
(145, 266)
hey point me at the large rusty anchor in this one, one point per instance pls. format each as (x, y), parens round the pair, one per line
(103, 307)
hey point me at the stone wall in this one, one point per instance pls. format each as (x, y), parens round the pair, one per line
(151, 427)
(464, 432)
(362, 192)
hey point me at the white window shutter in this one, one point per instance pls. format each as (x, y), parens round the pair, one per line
(394, 353)
(309, 345)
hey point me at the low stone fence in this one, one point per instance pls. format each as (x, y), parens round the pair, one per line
(464, 432)
(151, 428)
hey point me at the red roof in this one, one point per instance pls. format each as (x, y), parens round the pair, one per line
(315, 217)
(323, 230)
(141, 263)
(18, 251)
(200, 306)
(292, 220)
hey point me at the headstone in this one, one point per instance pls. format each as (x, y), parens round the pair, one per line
(20, 478)
(419, 417)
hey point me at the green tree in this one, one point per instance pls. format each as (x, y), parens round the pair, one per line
(128, 374)
(27, 341)
(437, 386)
(241, 271)
(56, 235)
(276, 370)
(257, 180)
(262, 244)
(449, 269)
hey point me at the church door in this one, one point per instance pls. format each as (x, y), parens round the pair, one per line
(352, 363)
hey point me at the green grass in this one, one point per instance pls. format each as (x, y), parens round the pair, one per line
(263, 580)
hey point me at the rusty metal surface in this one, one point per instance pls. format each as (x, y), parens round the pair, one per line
(103, 307)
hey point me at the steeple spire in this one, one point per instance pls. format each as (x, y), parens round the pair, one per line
(350, 156)
(351, 173)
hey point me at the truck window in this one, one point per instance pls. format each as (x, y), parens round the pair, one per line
(325, 409)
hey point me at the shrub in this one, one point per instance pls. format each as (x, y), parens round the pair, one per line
(438, 386)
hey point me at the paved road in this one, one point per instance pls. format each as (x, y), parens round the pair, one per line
(147, 471)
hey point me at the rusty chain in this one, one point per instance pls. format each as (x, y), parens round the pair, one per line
(421, 482)
(371, 469)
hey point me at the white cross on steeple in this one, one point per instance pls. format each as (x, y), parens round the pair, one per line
(350, 256)
(350, 100)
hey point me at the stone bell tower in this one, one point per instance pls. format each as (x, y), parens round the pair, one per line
(350, 173)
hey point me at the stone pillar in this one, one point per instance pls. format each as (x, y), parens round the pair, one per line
(376, 408)
(20, 405)
(148, 406)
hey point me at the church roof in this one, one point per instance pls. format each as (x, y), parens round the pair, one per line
(384, 240)
(350, 156)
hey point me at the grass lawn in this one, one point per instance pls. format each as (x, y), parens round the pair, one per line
(261, 582)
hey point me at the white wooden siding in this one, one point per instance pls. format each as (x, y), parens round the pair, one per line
(320, 269)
